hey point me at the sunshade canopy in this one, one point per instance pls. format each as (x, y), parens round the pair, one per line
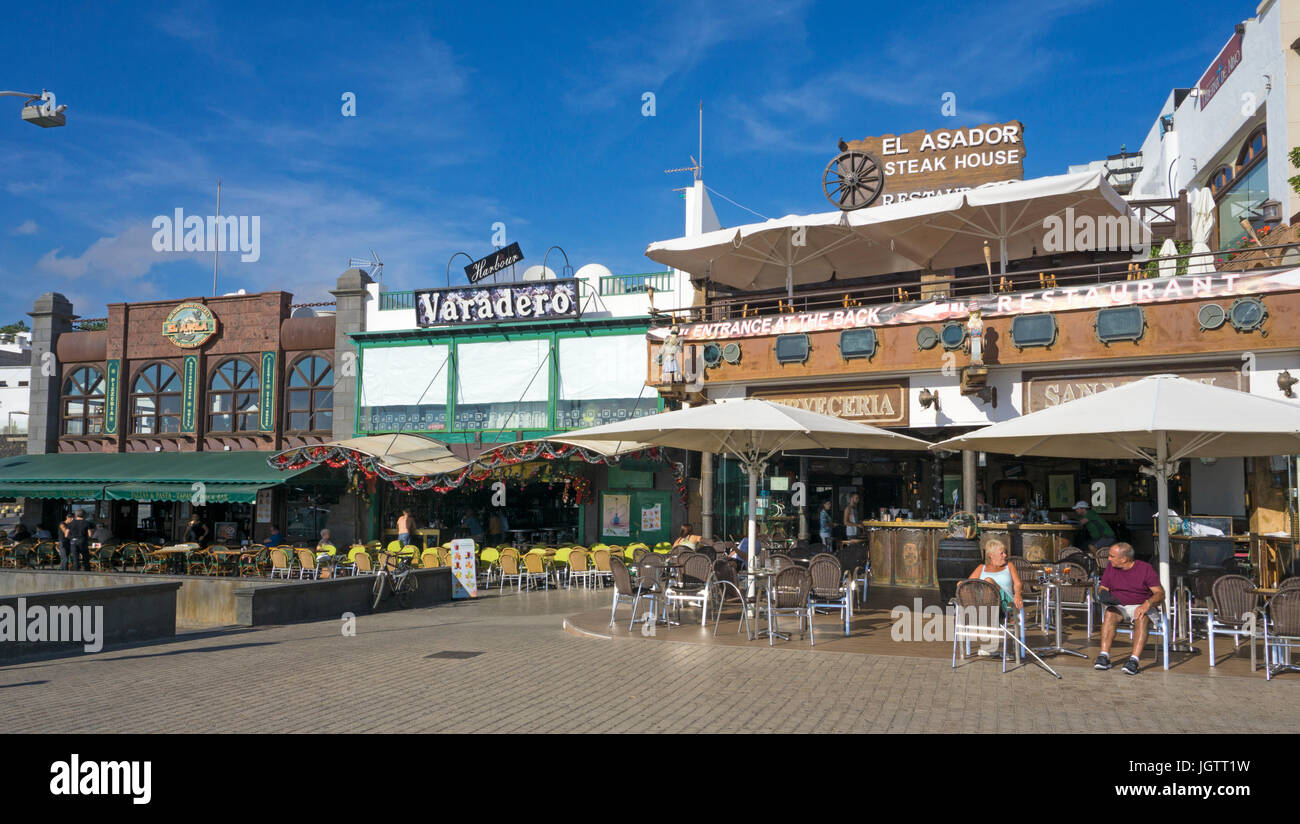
(1197, 421)
(927, 233)
(140, 476)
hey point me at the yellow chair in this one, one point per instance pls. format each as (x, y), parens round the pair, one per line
(429, 559)
(393, 548)
(488, 560)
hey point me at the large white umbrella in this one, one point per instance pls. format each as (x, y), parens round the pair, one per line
(926, 233)
(1202, 225)
(752, 430)
(1159, 420)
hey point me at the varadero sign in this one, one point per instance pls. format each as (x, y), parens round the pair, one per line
(537, 300)
(925, 164)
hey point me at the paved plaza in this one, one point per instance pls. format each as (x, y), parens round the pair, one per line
(514, 668)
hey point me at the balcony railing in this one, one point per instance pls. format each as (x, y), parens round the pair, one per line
(396, 300)
(635, 284)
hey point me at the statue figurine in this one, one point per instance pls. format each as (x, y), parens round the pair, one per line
(975, 329)
(670, 356)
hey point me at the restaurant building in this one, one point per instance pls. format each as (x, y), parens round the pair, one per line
(485, 366)
(167, 408)
(870, 314)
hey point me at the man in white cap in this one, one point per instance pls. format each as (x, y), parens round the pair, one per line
(1099, 532)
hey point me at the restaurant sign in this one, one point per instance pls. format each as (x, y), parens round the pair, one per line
(190, 325)
(1101, 296)
(189, 391)
(537, 300)
(112, 387)
(878, 404)
(1228, 60)
(1044, 392)
(939, 162)
(493, 263)
(266, 396)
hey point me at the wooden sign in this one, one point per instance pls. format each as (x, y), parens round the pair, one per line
(877, 404)
(939, 162)
(1044, 392)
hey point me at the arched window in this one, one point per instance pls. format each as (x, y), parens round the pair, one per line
(1253, 150)
(83, 402)
(311, 396)
(156, 401)
(1220, 180)
(233, 396)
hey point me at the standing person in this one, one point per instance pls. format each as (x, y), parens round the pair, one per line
(65, 548)
(1129, 589)
(196, 532)
(78, 541)
(1100, 535)
(851, 517)
(405, 526)
(826, 525)
(474, 527)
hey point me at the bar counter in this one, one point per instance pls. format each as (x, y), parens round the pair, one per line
(903, 553)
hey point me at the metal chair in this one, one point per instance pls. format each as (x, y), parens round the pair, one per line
(535, 570)
(856, 561)
(1161, 626)
(1234, 613)
(280, 567)
(1031, 592)
(979, 617)
(1281, 631)
(788, 594)
(693, 588)
(601, 560)
(831, 588)
(580, 569)
(510, 570)
(627, 592)
(725, 582)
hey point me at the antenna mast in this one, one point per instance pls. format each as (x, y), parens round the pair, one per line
(216, 256)
(699, 171)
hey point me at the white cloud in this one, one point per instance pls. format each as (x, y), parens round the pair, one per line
(27, 227)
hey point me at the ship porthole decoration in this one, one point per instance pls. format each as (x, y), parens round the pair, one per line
(712, 354)
(926, 338)
(853, 180)
(1247, 314)
(731, 353)
(953, 335)
(1210, 316)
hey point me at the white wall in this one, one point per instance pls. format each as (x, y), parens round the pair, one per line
(13, 398)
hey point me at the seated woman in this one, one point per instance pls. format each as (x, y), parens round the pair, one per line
(687, 536)
(998, 569)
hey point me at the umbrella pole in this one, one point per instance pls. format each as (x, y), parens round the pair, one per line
(1162, 507)
(753, 524)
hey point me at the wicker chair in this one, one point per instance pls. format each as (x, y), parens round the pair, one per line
(579, 569)
(788, 594)
(696, 579)
(639, 554)
(306, 562)
(1031, 592)
(1281, 630)
(535, 571)
(46, 554)
(726, 582)
(601, 559)
(196, 562)
(1076, 596)
(149, 563)
(510, 570)
(856, 560)
(429, 559)
(978, 617)
(779, 561)
(830, 588)
(361, 564)
(280, 567)
(1235, 610)
(255, 562)
(627, 592)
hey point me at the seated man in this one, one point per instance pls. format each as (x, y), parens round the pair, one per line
(275, 538)
(1130, 589)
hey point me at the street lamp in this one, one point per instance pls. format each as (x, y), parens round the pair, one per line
(46, 115)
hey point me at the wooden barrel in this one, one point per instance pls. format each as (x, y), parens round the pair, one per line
(957, 559)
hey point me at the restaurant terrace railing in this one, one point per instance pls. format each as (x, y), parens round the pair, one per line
(635, 284)
(930, 287)
(396, 300)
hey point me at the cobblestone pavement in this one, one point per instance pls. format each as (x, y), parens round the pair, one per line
(531, 676)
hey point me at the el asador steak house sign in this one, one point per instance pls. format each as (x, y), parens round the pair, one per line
(925, 164)
(1101, 296)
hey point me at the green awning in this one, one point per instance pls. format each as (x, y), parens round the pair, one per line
(142, 476)
(212, 493)
(70, 490)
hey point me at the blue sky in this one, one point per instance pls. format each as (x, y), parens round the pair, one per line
(528, 114)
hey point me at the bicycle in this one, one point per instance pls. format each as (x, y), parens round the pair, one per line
(398, 581)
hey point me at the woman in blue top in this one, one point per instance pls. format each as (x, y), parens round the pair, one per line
(999, 571)
(826, 525)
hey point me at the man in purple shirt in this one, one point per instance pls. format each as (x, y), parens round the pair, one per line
(1130, 589)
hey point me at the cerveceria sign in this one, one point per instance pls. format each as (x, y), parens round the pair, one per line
(540, 300)
(493, 263)
(925, 164)
(883, 404)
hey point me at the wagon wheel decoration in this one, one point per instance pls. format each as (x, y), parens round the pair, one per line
(853, 180)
